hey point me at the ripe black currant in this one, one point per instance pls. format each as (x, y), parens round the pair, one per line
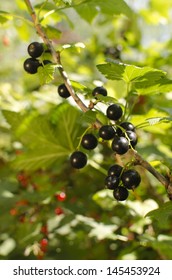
(120, 193)
(120, 145)
(115, 170)
(78, 159)
(31, 65)
(89, 141)
(106, 132)
(133, 137)
(131, 179)
(125, 126)
(63, 91)
(111, 182)
(114, 112)
(99, 90)
(35, 49)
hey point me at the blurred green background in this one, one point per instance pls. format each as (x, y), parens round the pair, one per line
(48, 210)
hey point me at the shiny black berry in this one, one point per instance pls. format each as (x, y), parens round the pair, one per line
(63, 91)
(115, 170)
(111, 182)
(125, 126)
(35, 49)
(99, 90)
(89, 141)
(120, 145)
(31, 65)
(106, 132)
(114, 112)
(131, 179)
(132, 137)
(78, 159)
(120, 193)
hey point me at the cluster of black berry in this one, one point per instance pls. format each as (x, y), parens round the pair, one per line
(120, 180)
(122, 135)
(31, 64)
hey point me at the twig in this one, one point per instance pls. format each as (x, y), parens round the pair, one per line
(163, 180)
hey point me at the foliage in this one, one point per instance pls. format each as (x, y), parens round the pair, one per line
(41, 196)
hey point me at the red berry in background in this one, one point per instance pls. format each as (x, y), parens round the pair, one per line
(58, 211)
(5, 41)
(22, 218)
(13, 211)
(44, 229)
(23, 180)
(61, 196)
(43, 243)
(22, 202)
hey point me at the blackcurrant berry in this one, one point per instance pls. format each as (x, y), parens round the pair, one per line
(111, 182)
(120, 193)
(31, 65)
(125, 126)
(115, 170)
(106, 132)
(35, 49)
(131, 179)
(63, 91)
(120, 145)
(78, 159)
(133, 137)
(99, 90)
(89, 141)
(114, 112)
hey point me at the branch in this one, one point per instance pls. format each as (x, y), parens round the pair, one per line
(163, 180)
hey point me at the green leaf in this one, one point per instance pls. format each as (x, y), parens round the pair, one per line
(52, 32)
(145, 80)
(46, 73)
(18, 122)
(162, 85)
(68, 127)
(162, 214)
(41, 158)
(89, 117)
(90, 8)
(5, 16)
(154, 121)
(130, 73)
(47, 143)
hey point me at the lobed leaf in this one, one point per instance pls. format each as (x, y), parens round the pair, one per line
(162, 214)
